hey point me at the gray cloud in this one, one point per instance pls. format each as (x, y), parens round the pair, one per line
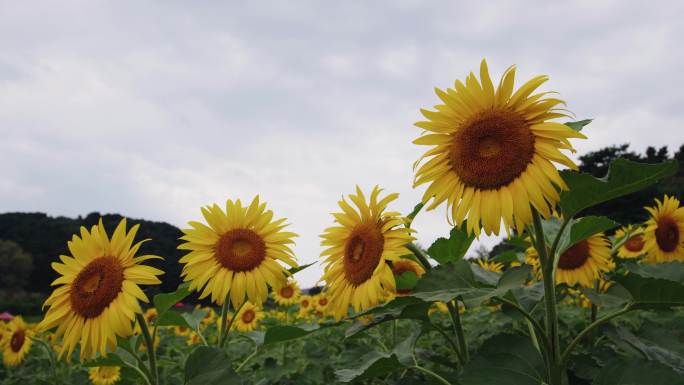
(153, 109)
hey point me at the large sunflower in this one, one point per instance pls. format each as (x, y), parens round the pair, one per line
(356, 271)
(583, 263)
(18, 342)
(664, 234)
(104, 375)
(237, 253)
(99, 292)
(633, 247)
(492, 151)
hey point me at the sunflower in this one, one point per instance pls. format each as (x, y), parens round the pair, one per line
(664, 234)
(150, 315)
(583, 263)
(492, 152)
(237, 253)
(305, 306)
(321, 302)
(193, 339)
(405, 265)
(104, 375)
(3, 339)
(248, 318)
(356, 271)
(181, 331)
(494, 267)
(209, 318)
(288, 294)
(634, 246)
(17, 342)
(99, 292)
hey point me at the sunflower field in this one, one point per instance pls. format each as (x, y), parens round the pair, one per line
(573, 299)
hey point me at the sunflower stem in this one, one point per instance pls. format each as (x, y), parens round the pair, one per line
(230, 324)
(431, 374)
(547, 263)
(224, 314)
(287, 318)
(454, 347)
(151, 354)
(420, 255)
(458, 329)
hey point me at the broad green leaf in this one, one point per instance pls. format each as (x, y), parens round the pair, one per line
(624, 177)
(508, 257)
(165, 301)
(485, 277)
(671, 271)
(445, 250)
(616, 296)
(399, 308)
(505, 359)
(650, 351)
(651, 292)
(583, 228)
(528, 297)
(579, 125)
(456, 280)
(172, 318)
(374, 363)
(406, 280)
(297, 269)
(112, 359)
(280, 333)
(193, 319)
(209, 366)
(634, 371)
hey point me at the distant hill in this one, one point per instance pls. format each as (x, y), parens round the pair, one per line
(45, 238)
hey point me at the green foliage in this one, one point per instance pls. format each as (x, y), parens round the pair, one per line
(445, 250)
(16, 265)
(209, 366)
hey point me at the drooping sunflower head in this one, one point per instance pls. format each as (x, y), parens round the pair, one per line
(492, 151)
(358, 248)
(495, 267)
(583, 263)
(98, 292)
(664, 234)
(634, 245)
(288, 294)
(247, 319)
(104, 375)
(17, 342)
(237, 253)
(403, 266)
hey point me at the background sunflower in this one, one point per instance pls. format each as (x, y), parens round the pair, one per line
(664, 234)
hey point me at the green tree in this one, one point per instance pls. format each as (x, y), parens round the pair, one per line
(16, 266)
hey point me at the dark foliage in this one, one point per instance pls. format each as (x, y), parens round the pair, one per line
(45, 238)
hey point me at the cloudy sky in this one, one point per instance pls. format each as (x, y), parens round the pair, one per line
(152, 109)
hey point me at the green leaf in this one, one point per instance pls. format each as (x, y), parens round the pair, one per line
(209, 366)
(624, 177)
(406, 280)
(453, 249)
(633, 371)
(671, 271)
(280, 333)
(484, 277)
(374, 363)
(579, 125)
(195, 318)
(416, 210)
(505, 359)
(165, 301)
(172, 318)
(583, 228)
(399, 308)
(112, 359)
(297, 269)
(456, 280)
(650, 351)
(651, 293)
(508, 256)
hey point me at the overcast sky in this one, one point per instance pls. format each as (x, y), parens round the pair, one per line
(153, 109)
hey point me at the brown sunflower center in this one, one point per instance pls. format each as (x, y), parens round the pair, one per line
(322, 301)
(287, 292)
(305, 303)
(362, 253)
(17, 340)
(248, 316)
(575, 256)
(96, 286)
(635, 244)
(667, 234)
(401, 267)
(240, 250)
(492, 149)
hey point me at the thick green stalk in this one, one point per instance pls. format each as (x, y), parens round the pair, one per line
(230, 324)
(224, 316)
(151, 354)
(547, 263)
(432, 374)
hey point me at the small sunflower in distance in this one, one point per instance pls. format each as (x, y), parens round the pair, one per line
(17, 342)
(247, 319)
(494, 267)
(583, 263)
(104, 375)
(634, 246)
(357, 250)
(405, 265)
(237, 253)
(664, 234)
(305, 305)
(492, 152)
(98, 295)
(288, 294)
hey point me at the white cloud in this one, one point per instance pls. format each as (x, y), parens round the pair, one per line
(154, 109)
